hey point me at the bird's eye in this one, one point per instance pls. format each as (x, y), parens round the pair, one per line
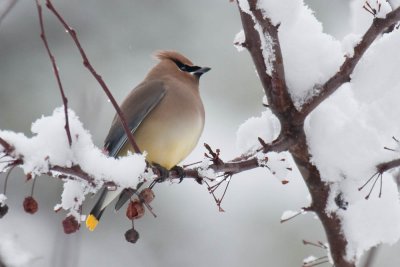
(186, 68)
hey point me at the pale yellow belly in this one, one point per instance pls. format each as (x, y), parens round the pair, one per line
(167, 143)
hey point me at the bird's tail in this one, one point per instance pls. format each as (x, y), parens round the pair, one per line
(105, 199)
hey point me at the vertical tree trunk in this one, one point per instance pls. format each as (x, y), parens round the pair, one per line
(319, 191)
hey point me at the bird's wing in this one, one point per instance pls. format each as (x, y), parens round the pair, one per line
(138, 104)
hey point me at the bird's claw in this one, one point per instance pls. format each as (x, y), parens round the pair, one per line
(180, 171)
(163, 173)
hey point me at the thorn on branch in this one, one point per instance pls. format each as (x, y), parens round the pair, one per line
(214, 156)
(241, 44)
(318, 244)
(370, 9)
(262, 142)
(286, 219)
(378, 176)
(315, 261)
(8, 148)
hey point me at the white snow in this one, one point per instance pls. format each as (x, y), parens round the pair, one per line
(73, 196)
(49, 146)
(309, 259)
(368, 223)
(239, 40)
(206, 172)
(347, 133)
(349, 42)
(266, 126)
(394, 3)
(303, 44)
(3, 199)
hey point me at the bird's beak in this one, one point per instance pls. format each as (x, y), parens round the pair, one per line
(201, 71)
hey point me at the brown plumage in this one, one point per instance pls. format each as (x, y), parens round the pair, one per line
(165, 114)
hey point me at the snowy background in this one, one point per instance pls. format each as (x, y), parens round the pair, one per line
(189, 230)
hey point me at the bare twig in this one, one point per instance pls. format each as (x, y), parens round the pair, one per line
(99, 79)
(380, 169)
(343, 75)
(10, 4)
(55, 70)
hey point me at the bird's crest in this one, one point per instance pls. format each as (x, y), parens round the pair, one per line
(172, 55)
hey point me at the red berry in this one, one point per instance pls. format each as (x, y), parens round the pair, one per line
(70, 225)
(30, 205)
(135, 209)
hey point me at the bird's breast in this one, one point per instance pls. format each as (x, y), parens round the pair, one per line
(171, 131)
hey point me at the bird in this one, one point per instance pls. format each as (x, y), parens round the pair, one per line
(166, 115)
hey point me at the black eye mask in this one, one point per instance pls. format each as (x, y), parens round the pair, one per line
(186, 68)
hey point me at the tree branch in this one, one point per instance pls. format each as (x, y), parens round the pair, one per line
(75, 172)
(385, 166)
(55, 70)
(99, 79)
(343, 75)
(292, 122)
(272, 75)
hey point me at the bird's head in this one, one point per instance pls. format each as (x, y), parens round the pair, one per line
(174, 63)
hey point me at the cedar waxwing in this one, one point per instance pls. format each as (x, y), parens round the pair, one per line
(166, 116)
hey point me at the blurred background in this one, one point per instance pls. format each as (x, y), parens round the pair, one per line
(119, 38)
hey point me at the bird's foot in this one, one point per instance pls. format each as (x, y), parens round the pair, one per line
(162, 173)
(180, 172)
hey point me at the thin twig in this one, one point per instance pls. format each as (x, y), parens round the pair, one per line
(6, 180)
(98, 78)
(33, 185)
(7, 9)
(55, 70)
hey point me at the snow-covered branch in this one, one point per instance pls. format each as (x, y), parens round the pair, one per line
(271, 30)
(28, 158)
(86, 168)
(378, 27)
(262, 41)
